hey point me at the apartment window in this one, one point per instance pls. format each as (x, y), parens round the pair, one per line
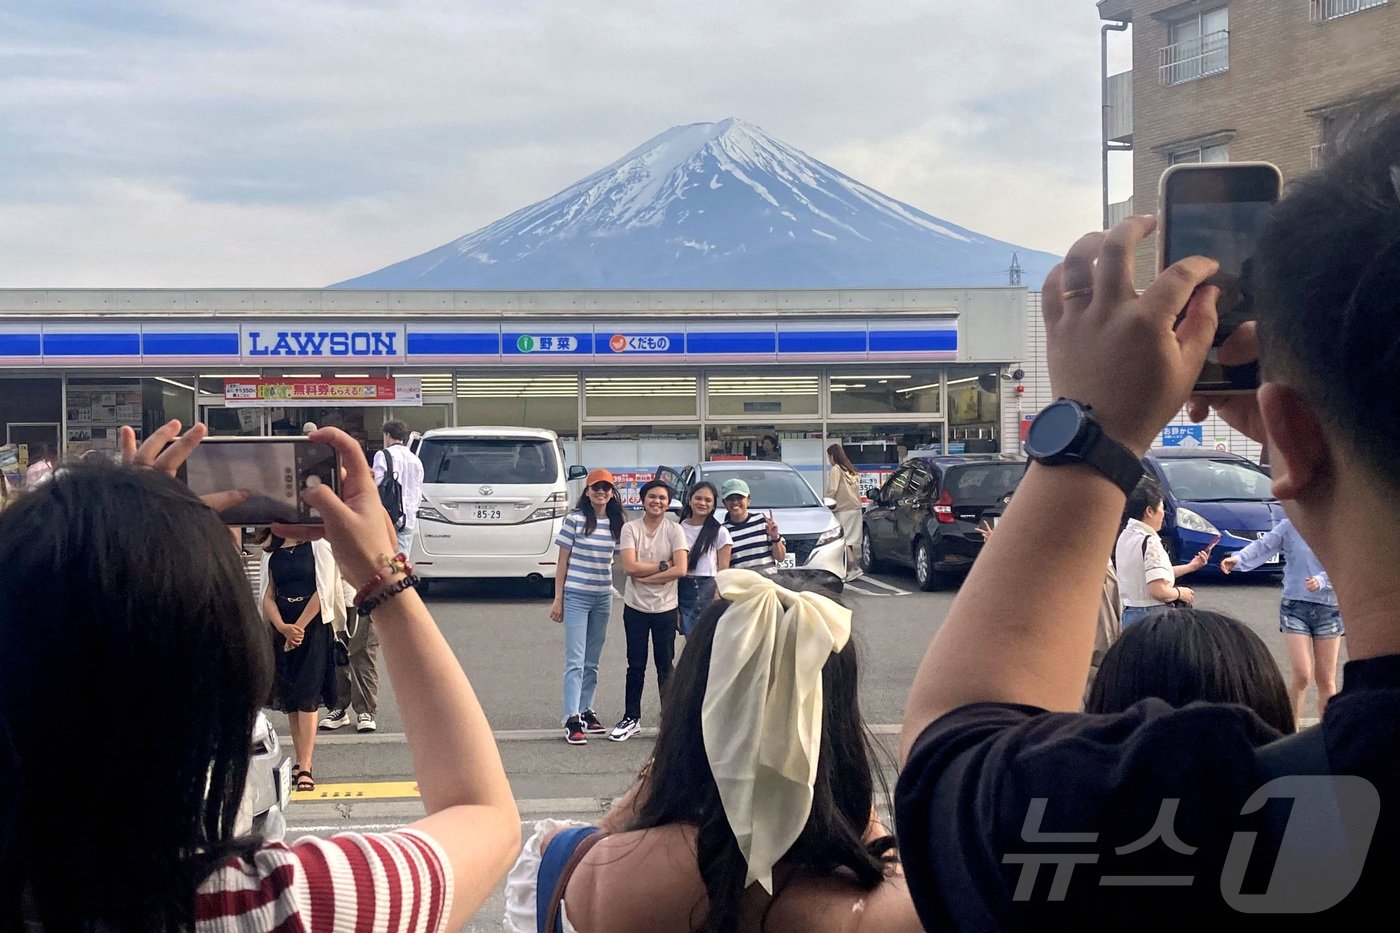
(1324, 10)
(1200, 46)
(1216, 153)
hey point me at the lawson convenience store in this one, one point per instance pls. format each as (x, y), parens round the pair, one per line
(627, 379)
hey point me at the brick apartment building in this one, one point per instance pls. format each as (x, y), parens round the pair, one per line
(1239, 80)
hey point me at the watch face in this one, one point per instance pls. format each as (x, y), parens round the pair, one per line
(1053, 430)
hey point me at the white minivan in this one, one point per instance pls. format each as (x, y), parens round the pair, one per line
(493, 501)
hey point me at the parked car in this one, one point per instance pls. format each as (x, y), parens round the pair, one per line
(493, 501)
(814, 537)
(269, 785)
(925, 516)
(1208, 493)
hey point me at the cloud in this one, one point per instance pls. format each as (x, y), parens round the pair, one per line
(306, 141)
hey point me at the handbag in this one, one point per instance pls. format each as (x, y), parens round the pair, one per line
(341, 651)
(557, 865)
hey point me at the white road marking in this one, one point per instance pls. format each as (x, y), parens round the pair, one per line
(864, 592)
(881, 583)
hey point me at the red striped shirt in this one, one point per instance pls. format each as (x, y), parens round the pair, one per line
(352, 882)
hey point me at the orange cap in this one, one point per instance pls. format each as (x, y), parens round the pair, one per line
(599, 476)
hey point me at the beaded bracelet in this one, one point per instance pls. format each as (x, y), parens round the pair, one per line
(385, 595)
(392, 565)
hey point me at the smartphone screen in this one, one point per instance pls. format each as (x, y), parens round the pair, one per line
(275, 470)
(1218, 210)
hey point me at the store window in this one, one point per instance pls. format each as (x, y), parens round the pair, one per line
(893, 391)
(974, 409)
(31, 413)
(223, 421)
(800, 445)
(99, 406)
(527, 401)
(730, 395)
(632, 453)
(614, 397)
(877, 450)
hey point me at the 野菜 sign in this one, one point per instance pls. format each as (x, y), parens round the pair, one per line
(349, 393)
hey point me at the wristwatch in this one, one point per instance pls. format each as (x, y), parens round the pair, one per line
(1066, 432)
(664, 566)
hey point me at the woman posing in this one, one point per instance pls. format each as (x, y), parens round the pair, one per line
(654, 558)
(758, 810)
(302, 600)
(843, 485)
(583, 592)
(710, 545)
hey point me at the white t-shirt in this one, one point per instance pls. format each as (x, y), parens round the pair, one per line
(707, 565)
(1139, 565)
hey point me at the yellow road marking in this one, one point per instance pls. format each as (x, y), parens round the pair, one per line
(383, 790)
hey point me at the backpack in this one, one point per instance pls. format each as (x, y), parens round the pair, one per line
(391, 493)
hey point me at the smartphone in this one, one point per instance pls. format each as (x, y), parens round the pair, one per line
(277, 471)
(1217, 210)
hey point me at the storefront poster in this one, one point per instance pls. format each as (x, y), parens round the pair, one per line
(346, 393)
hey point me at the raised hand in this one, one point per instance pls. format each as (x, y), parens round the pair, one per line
(166, 449)
(1115, 350)
(1228, 564)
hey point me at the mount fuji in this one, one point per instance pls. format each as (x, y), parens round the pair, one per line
(714, 206)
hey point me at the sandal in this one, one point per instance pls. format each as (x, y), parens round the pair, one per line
(305, 782)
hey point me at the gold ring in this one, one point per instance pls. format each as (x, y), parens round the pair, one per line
(1076, 293)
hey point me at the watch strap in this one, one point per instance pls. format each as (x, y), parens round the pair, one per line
(1111, 458)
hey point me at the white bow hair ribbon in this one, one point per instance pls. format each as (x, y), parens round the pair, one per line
(762, 715)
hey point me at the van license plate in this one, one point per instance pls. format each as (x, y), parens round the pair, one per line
(487, 515)
(787, 563)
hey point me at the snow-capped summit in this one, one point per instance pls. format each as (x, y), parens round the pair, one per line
(712, 206)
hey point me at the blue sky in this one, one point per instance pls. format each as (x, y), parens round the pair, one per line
(301, 142)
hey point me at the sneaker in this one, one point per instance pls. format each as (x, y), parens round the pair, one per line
(591, 724)
(336, 719)
(573, 732)
(626, 728)
(365, 723)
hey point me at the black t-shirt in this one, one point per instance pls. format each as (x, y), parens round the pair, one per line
(988, 786)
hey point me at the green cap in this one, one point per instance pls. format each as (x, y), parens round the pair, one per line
(733, 487)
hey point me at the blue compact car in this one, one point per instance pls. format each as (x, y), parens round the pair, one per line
(1209, 493)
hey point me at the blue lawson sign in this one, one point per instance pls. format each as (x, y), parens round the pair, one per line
(262, 343)
(1182, 435)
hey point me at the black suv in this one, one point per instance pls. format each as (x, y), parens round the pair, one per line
(926, 514)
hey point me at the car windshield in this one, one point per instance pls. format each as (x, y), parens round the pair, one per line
(984, 483)
(1216, 480)
(501, 460)
(769, 489)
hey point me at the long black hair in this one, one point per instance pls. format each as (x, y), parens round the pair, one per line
(124, 593)
(1190, 655)
(616, 517)
(709, 531)
(680, 788)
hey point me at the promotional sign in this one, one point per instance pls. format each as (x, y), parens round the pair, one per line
(331, 393)
(1182, 435)
(264, 343)
(650, 343)
(544, 343)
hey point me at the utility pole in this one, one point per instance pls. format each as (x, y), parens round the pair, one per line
(1015, 269)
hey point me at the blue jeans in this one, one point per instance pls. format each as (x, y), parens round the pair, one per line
(585, 629)
(696, 594)
(1311, 619)
(1133, 614)
(405, 540)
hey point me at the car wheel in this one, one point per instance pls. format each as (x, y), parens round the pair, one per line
(928, 578)
(869, 563)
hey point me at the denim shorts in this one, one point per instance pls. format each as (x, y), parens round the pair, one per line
(1312, 619)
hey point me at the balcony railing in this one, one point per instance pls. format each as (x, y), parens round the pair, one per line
(1120, 211)
(1323, 10)
(1319, 155)
(1190, 59)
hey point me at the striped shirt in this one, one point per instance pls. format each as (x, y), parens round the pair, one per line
(352, 882)
(752, 549)
(590, 556)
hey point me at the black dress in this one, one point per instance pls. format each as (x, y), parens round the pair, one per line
(305, 675)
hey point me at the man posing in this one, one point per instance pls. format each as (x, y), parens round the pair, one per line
(1146, 577)
(1159, 812)
(757, 542)
(358, 682)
